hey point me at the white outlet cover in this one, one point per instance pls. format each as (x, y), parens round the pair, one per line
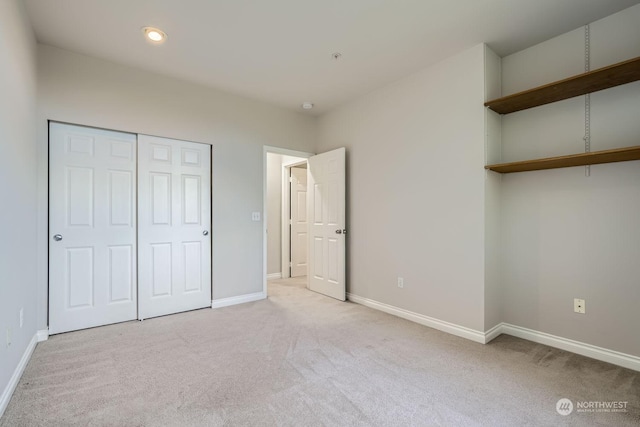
(255, 216)
(579, 306)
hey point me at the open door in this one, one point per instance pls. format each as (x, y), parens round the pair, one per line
(326, 198)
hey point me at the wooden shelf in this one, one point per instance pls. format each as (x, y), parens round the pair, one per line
(583, 159)
(593, 81)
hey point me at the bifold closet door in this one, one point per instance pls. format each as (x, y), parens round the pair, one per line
(174, 220)
(92, 227)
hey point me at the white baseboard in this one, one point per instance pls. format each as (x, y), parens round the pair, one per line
(43, 335)
(274, 276)
(599, 353)
(588, 350)
(493, 333)
(17, 373)
(240, 299)
(431, 322)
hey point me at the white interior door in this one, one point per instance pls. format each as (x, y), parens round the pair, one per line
(299, 229)
(92, 224)
(326, 200)
(174, 220)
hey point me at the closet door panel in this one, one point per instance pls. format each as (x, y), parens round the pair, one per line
(174, 217)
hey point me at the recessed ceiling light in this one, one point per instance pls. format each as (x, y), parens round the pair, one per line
(154, 35)
(307, 105)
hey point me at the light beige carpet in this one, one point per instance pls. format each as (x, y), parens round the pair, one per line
(302, 359)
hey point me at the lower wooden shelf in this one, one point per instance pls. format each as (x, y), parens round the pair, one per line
(583, 159)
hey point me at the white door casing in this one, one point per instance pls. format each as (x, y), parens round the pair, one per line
(92, 201)
(299, 231)
(326, 201)
(174, 224)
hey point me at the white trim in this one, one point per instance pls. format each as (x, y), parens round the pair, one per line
(285, 193)
(274, 276)
(599, 353)
(431, 322)
(43, 335)
(17, 373)
(493, 333)
(240, 299)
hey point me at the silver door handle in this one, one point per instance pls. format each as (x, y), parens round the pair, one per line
(343, 231)
(205, 233)
(57, 237)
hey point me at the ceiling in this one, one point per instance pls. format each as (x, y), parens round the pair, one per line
(280, 51)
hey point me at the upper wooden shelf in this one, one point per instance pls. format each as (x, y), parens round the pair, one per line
(593, 81)
(583, 159)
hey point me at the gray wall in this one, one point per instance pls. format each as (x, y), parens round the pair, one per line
(564, 235)
(416, 205)
(79, 89)
(17, 185)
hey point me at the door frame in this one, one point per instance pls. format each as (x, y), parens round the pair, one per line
(273, 150)
(285, 244)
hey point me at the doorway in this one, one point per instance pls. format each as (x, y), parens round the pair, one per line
(324, 205)
(285, 215)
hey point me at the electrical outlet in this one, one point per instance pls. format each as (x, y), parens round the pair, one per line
(255, 216)
(400, 282)
(21, 317)
(8, 337)
(579, 306)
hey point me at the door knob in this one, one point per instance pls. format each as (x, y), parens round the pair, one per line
(338, 231)
(205, 233)
(57, 237)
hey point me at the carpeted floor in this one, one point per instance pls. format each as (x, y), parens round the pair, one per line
(302, 359)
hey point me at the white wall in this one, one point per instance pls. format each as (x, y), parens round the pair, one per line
(415, 208)
(565, 235)
(79, 89)
(17, 186)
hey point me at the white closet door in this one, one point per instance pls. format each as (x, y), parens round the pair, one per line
(299, 226)
(174, 217)
(92, 224)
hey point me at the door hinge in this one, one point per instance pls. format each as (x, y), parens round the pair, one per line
(290, 264)
(290, 222)
(290, 179)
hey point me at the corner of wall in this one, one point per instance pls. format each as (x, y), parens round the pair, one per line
(493, 148)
